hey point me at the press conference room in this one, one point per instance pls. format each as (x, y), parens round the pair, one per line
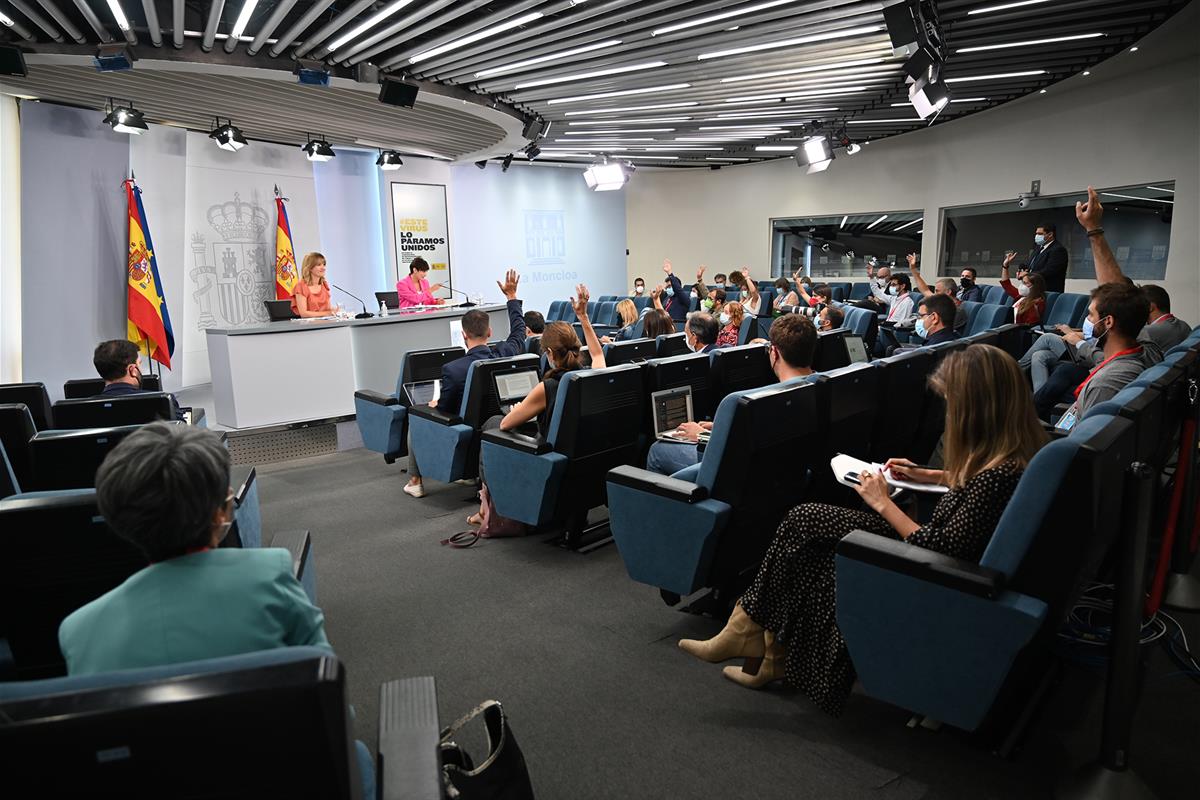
(561, 399)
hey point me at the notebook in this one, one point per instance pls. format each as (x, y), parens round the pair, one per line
(671, 408)
(512, 387)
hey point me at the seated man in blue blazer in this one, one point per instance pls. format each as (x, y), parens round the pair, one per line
(116, 361)
(477, 330)
(166, 489)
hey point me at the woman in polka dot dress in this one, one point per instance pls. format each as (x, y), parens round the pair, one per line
(785, 625)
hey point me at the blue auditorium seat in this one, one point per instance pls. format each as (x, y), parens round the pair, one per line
(942, 637)
(605, 315)
(1051, 299)
(671, 344)
(860, 290)
(841, 289)
(736, 368)
(641, 303)
(995, 295)
(858, 320)
(972, 310)
(108, 412)
(595, 425)
(634, 350)
(904, 381)
(1069, 309)
(724, 511)
(555, 312)
(35, 397)
(989, 317)
(447, 444)
(383, 419)
(533, 345)
(16, 429)
(604, 298)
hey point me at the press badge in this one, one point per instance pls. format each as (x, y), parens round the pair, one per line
(1066, 421)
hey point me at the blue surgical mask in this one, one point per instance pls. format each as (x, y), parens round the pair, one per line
(893, 290)
(1039, 239)
(1088, 329)
(921, 328)
(720, 284)
(669, 291)
(724, 319)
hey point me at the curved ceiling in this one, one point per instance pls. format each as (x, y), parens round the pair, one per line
(664, 82)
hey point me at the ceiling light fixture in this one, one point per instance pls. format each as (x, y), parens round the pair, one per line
(607, 176)
(693, 23)
(908, 224)
(227, 136)
(788, 94)
(126, 119)
(646, 90)
(475, 37)
(854, 148)
(905, 121)
(243, 17)
(1029, 43)
(876, 222)
(748, 127)
(585, 75)
(997, 76)
(532, 151)
(318, 149)
(1161, 189)
(844, 220)
(1133, 197)
(802, 70)
(660, 158)
(389, 161)
(529, 62)
(631, 121)
(596, 138)
(816, 154)
(6, 20)
(118, 14)
(633, 108)
(929, 95)
(369, 23)
(609, 130)
(818, 37)
(1006, 6)
(766, 114)
(776, 148)
(955, 100)
(506, 163)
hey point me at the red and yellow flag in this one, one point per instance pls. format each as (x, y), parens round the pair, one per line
(149, 324)
(285, 258)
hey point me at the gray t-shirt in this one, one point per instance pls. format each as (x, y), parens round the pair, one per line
(1167, 331)
(1112, 378)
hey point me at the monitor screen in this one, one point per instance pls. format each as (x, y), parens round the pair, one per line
(512, 387)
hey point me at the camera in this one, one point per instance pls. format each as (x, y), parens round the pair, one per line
(1022, 202)
(1024, 197)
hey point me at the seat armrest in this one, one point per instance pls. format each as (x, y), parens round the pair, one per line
(410, 765)
(378, 398)
(926, 565)
(662, 485)
(198, 416)
(434, 415)
(241, 478)
(297, 543)
(518, 441)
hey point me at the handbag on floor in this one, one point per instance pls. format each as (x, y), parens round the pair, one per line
(501, 775)
(495, 526)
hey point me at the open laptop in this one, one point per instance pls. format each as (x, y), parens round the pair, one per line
(670, 409)
(512, 387)
(856, 349)
(422, 393)
(279, 310)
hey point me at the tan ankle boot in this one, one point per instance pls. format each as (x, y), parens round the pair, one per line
(757, 673)
(740, 638)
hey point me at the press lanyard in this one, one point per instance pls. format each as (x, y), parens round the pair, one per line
(1163, 317)
(1103, 364)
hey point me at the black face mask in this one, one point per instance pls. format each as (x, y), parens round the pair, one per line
(966, 283)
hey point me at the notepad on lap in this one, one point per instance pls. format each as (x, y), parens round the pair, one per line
(844, 465)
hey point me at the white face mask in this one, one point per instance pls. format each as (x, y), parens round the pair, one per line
(724, 319)
(893, 290)
(1039, 239)
(1023, 290)
(639, 289)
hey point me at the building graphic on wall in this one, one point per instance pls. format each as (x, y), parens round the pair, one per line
(545, 238)
(234, 273)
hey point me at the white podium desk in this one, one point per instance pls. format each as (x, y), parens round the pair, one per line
(299, 371)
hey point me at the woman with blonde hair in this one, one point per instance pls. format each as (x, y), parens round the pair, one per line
(785, 625)
(730, 320)
(628, 313)
(311, 295)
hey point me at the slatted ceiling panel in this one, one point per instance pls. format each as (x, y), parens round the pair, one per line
(266, 109)
(281, 28)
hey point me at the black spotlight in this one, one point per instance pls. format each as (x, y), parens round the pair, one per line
(481, 164)
(318, 149)
(126, 119)
(389, 160)
(532, 152)
(506, 163)
(228, 136)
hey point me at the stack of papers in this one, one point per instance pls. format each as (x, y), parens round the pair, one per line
(843, 465)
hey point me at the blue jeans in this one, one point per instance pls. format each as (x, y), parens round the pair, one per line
(1043, 356)
(667, 458)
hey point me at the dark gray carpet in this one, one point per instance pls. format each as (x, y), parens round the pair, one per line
(600, 698)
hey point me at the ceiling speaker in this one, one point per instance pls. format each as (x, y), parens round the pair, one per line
(12, 62)
(398, 93)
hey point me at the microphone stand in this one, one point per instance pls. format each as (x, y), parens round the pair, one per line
(365, 314)
(468, 303)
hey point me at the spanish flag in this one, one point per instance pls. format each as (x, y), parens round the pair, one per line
(149, 325)
(285, 259)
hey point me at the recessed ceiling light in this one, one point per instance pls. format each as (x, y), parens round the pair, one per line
(1006, 6)
(776, 148)
(529, 62)
(1133, 49)
(596, 74)
(692, 23)
(1086, 72)
(803, 70)
(818, 37)
(475, 37)
(592, 111)
(1042, 91)
(759, 128)
(646, 90)
(997, 76)
(1029, 43)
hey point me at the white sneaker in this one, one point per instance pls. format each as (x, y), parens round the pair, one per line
(414, 489)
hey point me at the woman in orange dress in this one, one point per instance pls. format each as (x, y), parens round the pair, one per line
(311, 296)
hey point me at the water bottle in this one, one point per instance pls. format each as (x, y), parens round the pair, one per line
(478, 299)
(382, 308)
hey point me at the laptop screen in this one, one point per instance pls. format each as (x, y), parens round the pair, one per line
(511, 387)
(671, 408)
(423, 393)
(856, 349)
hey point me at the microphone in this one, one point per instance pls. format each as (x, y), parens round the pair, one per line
(468, 303)
(365, 314)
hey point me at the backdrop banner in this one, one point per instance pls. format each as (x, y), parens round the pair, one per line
(421, 228)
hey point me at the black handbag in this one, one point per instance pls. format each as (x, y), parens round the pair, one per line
(501, 775)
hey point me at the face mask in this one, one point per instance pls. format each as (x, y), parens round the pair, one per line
(724, 319)
(1039, 240)
(921, 328)
(720, 284)
(1088, 329)
(639, 289)
(966, 283)
(688, 341)
(708, 304)
(669, 291)
(894, 290)
(1023, 290)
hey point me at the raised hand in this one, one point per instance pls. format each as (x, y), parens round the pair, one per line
(667, 266)
(912, 261)
(509, 287)
(700, 273)
(580, 301)
(657, 291)
(1008, 259)
(1091, 213)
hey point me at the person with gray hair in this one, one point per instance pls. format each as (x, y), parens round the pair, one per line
(165, 489)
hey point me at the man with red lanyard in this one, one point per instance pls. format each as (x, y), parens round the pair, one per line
(1164, 328)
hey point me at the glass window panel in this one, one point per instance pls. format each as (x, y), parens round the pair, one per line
(839, 246)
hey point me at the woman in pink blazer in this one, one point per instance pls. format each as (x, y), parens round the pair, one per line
(415, 290)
